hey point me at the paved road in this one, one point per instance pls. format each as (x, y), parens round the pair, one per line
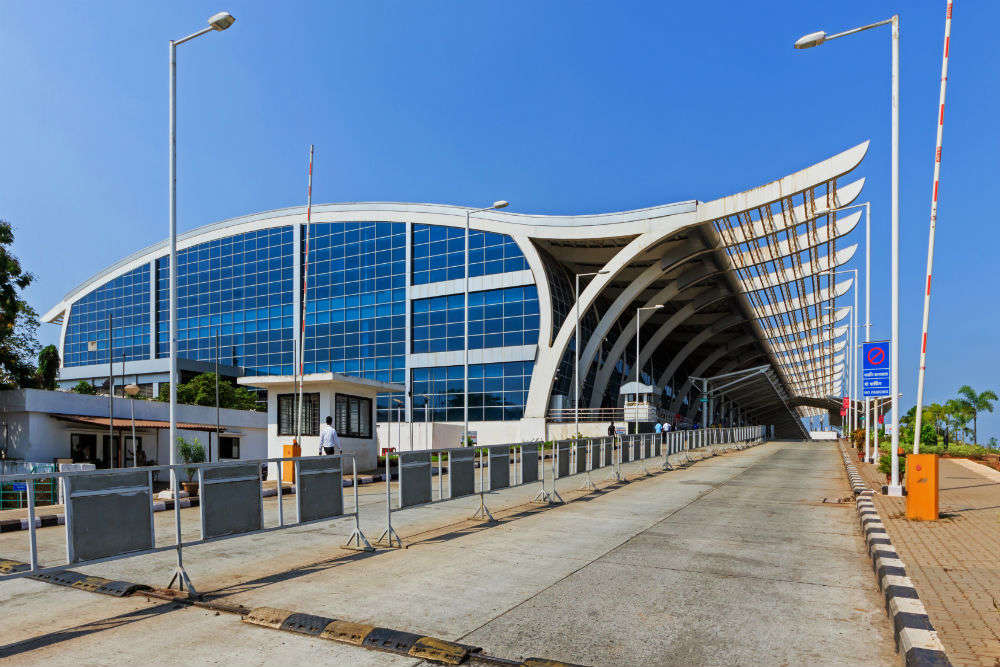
(733, 561)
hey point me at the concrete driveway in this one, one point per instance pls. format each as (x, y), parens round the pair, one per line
(734, 561)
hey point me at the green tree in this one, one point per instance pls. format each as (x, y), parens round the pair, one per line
(84, 387)
(48, 367)
(982, 402)
(200, 390)
(18, 321)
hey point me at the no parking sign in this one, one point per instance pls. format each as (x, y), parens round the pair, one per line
(875, 380)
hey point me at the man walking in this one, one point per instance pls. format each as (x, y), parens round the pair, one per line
(329, 443)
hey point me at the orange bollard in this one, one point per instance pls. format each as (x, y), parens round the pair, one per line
(922, 487)
(288, 467)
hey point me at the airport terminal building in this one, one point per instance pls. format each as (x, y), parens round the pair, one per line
(743, 282)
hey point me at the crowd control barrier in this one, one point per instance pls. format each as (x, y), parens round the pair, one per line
(231, 499)
(482, 469)
(109, 513)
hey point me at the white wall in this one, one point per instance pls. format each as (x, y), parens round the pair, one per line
(36, 435)
(364, 449)
(440, 435)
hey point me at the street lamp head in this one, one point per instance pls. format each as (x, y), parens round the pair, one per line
(221, 21)
(132, 390)
(501, 204)
(810, 40)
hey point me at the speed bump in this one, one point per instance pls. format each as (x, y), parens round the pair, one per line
(360, 634)
(83, 582)
(269, 617)
(395, 641)
(8, 566)
(439, 650)
(347, 632)
(306, 624)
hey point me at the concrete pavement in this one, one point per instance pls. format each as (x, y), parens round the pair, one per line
(736, 560)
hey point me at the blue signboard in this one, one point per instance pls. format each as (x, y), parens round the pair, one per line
(875, 376)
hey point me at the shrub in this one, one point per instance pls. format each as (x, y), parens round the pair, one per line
(191, 452)
(885, 465)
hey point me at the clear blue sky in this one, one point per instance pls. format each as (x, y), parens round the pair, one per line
(560, 107)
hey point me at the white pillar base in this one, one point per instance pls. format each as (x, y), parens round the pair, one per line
(895, 491)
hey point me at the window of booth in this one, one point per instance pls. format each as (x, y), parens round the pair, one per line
(229, 447)
(353, 416)
(288, 414)
(83, 447)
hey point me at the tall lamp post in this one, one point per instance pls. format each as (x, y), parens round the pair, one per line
(815, 39)
(638, 325)
(465, 305)
(217, 22)
(576, 346)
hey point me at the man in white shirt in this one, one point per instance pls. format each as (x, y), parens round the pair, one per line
(329, 443)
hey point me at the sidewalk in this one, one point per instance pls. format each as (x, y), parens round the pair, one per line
(954, 562)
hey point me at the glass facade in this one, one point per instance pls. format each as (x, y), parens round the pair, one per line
(497, 392)
(497, 318)
(439, 254)
(239, 290)
(126, 300)
(356, 300)
(239, 287)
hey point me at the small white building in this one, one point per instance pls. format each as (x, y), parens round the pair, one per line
(43, 426)
(349, 399)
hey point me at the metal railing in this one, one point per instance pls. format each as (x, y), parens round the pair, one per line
(569, 415)
(231, 498)
(121, 483)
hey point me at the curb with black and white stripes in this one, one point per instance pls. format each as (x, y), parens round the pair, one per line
(915, 636)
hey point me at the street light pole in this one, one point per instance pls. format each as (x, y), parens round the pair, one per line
(465, 306)
(815, 39)
(217, 22)
(576, 348)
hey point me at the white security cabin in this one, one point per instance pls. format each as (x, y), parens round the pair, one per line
(349, 399)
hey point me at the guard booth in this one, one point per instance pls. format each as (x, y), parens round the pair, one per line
(349, 399)
(641, 403)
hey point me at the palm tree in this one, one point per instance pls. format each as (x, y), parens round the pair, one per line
(956, 415)
(976, 404)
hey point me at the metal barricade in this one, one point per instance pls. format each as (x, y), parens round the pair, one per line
(461, 472)
(230, 505)
(230, 500)
(562, 458)
(597, 453)
(91, 500)
(414, 479)
(319, 492)
(529, 463)
(499, 457)
(580, 453)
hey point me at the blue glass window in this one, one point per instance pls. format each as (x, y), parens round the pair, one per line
(438, 393)
(126, 298)
(497, 392)
(497, 318)
(356, 300)
(240, 287)
(438, 324)
(439, 253)
(504, 317)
